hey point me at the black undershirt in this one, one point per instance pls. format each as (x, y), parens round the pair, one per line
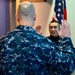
(54, 39)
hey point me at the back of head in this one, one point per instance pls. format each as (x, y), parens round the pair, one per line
(26, 9)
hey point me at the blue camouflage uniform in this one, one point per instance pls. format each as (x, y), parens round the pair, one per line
(58, 41)
(24, 52)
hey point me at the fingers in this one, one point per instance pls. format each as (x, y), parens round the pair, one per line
(65, 29)
(38, 29)
(65, 24)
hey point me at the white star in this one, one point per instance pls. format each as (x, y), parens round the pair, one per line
(59, 4)
(58, 15)
(59, 10)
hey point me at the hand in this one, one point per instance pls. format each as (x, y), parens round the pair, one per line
(38, 29)
(64, 30)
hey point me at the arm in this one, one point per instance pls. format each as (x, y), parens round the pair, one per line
(64, 60)
(65, 33)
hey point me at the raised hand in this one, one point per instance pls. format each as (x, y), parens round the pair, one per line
(38, 29)
(65, 30)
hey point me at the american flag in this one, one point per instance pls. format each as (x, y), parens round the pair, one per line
(60, 10)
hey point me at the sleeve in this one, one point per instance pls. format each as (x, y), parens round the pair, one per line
(62, 61)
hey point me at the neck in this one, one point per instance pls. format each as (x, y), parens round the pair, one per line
(54, 39)
(26, 23)
(54, 36)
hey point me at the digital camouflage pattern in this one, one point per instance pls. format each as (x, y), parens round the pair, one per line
(24, 52)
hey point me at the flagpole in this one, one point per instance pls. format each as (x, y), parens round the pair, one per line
(63, 9)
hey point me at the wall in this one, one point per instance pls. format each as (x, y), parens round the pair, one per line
(42, 14)
(4, 17)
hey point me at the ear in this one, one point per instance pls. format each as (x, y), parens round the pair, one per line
(60, 27)
(17, 18)
(48, 28)
(34, 17)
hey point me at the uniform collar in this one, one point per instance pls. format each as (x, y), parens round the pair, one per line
(25, 28)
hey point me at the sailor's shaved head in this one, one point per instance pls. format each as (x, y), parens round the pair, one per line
(26, 8)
